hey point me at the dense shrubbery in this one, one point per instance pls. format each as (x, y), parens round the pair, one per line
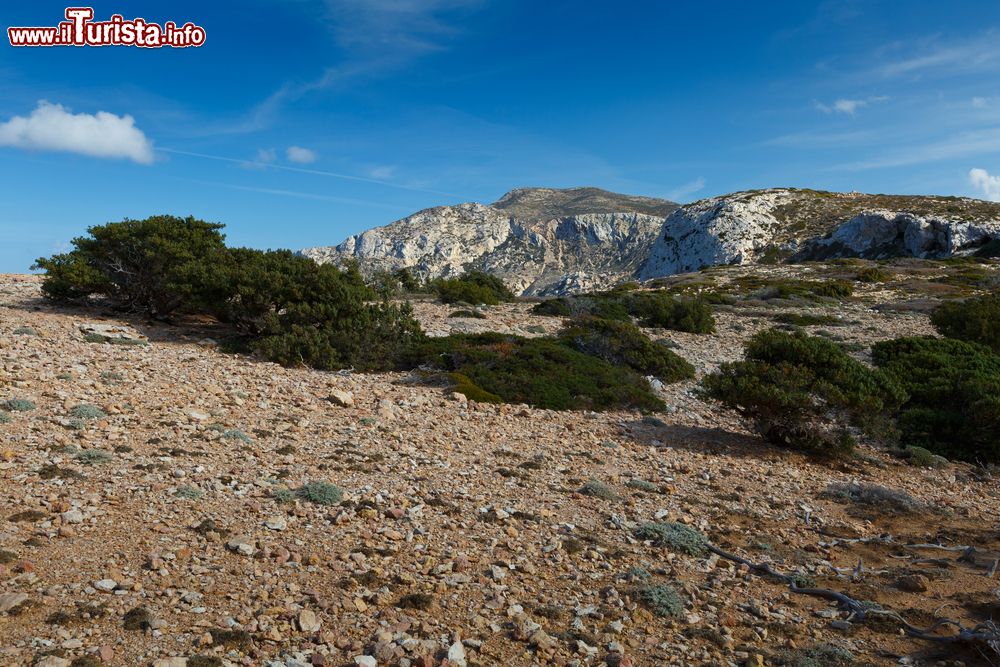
(143, 265)
(954, 395)
(873, 274)
(622, 343)
(805, 392)
(767, 288)
(662, 309)
(286, 307)
(976, 320)
(475, 287)
(538, 371)
(652, 309)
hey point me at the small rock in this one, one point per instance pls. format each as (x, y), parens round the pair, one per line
(276, 522)
(344, 399)
(72, 516)
(170, 662)
(365, 661)
(106, 585)
(912, 583)
(456, 655)
(242, 544)
(52, 661)
(10, 600)
(308, 621)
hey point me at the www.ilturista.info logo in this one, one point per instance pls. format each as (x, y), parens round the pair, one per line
(79, 29)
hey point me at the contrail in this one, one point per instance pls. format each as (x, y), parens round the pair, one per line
(314, 172)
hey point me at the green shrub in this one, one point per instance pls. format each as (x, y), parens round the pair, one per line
(280, 305)
(25, 331)
(141, 264)
(475, 287)
(597, 489)
(236, 434)
(5, 418)
(642, 485)
(673, 536)
(282, 494)
(923, 458)
(468, 388)
(662, 309)
(85, 411)
(765, 288)
(820, 655)
(662, 600)
(624, 344)
(873, 274)
(990, 249)
(553, 307)
(976, 320)
(18, 405)
(803, 392)
(954, 395)
(890, 500)
(473, 314)
(94, 456)
(188, 492)
(807, 319)
(538, 371)
(321, 493)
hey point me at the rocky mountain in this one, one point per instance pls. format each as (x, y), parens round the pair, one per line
(543, 241)
(789, 224)
(540, 241)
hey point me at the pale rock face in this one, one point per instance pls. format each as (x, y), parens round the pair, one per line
(534, 257)
(883, 232)
(714, 231)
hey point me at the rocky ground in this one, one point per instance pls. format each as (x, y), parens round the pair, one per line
(154, 529)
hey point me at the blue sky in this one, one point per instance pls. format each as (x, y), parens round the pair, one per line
(303, 121)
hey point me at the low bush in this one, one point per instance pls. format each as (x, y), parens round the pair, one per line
(553, 308)
(976, 320)
(659, 308)
(85, 411)
(953, 408)
(662, 600)
(673, 536)
(624, 344)
(664, 310)
(805, 392)
(283, 306)
(471, 314)
(890, 500)
(762, 287)
(538, 371)
(321, 493)
(597, 489)
(17, 405)
(474, 287)
(873, 274)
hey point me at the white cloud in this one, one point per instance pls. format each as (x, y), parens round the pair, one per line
(51, 127)
(382, 172)
(266, 155)
(842, 106)
(681, 192)
(986, 183)
(300, 155)
(979, 102)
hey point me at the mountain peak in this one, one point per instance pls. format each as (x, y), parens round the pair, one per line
(532, 204)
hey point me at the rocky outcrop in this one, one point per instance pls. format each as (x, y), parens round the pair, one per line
(540, 241)
(547, 242)
(788, 224)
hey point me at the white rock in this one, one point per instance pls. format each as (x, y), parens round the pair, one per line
(456, 654)
(365, 661)
(344, 399)
(72, 516)
(276, 522)
(106, 585)
(308, 621)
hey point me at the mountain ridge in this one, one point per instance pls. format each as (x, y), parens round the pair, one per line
(546, 241)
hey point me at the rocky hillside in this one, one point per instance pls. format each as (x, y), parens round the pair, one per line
(539, 240)
(545, 242)
(789, 224)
